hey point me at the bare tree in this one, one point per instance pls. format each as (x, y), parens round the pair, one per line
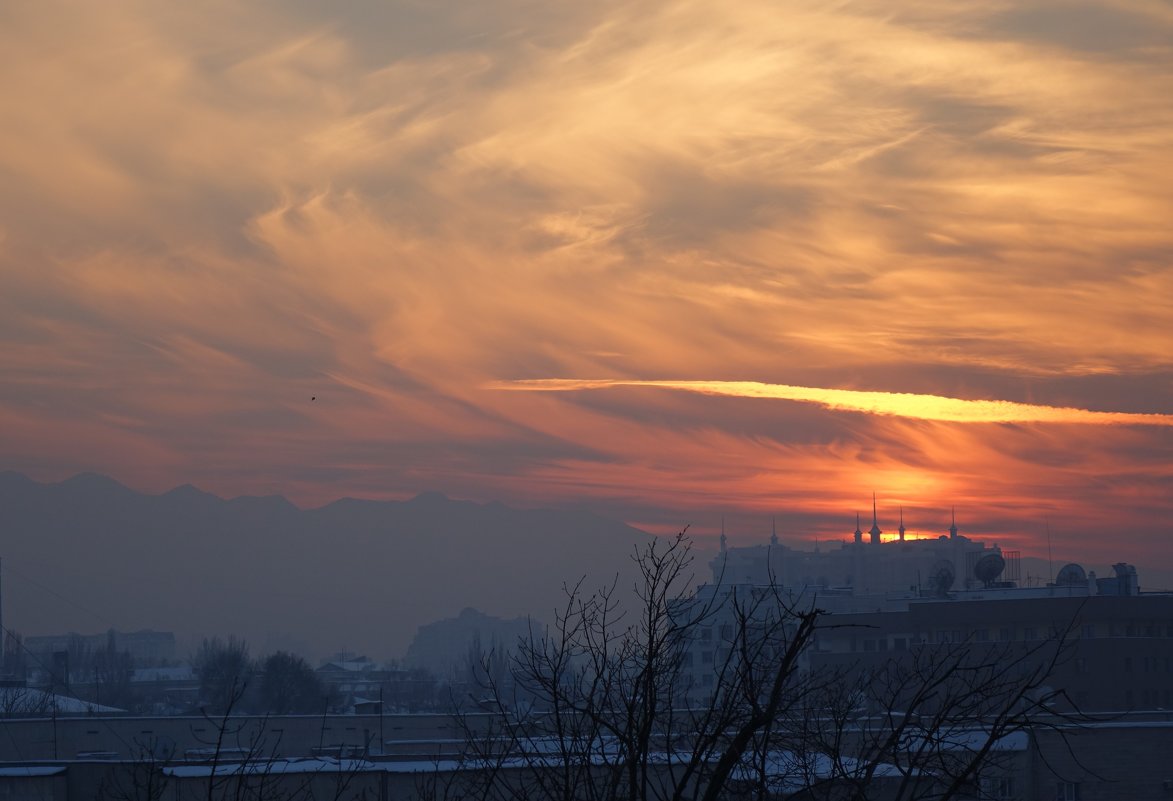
(939, 721)
(111, 671)
(142, 777)
(224, 670)
(604, 705)
(25, 702)
(245, 763)
(289, 685)
(600, 705)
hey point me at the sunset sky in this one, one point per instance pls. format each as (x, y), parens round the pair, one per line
(667, 261)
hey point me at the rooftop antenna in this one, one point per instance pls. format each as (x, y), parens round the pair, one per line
(3, 632)
(773, 531)
(858, 532)
(901, 524)
(953, 524)
(723, 541)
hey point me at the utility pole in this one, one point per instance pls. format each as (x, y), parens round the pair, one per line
(3, 631)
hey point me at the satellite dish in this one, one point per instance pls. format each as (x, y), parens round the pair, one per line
(941, 577)
(1071, 574)
(988, 568)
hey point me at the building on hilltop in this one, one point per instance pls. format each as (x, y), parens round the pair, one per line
(902, 566)
(883, 599)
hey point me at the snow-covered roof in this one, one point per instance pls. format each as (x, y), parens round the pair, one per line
(31, 771)
(267, 767)
(16, 701)
(972, 740)
(790, 772)
(350, 666)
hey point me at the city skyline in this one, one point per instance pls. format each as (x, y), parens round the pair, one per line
(665, 261)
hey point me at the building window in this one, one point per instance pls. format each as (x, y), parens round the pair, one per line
(1067, 791)
(706, 657)
(1005, 634)
(869, 645)
(901, 644)
(1089, 631)
(1030, 634)
(707, 680)
(706, 633)
(997, 787)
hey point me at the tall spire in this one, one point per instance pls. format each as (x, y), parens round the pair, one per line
(858, 533)
(953, 525)
(723, 541)
(875, 530)
(901, 524)
(773, 531)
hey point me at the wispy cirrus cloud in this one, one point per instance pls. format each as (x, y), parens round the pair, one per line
(230, 208)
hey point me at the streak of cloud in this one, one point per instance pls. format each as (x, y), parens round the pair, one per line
(896, 404)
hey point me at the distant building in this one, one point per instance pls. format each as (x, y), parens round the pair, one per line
(1121, 656)
(166, 690)
(444, 647)
(147, 648)
(887, 597)
(899, 566)
(351, 681)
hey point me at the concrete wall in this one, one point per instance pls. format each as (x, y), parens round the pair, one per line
(1109, 761)
(289, 735)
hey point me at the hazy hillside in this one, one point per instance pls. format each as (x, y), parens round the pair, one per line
(88, 554)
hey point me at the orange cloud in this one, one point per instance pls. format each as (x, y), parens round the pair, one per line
(227, 209)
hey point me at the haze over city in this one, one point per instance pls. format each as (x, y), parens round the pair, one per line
(658, 399)
(669, 262)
